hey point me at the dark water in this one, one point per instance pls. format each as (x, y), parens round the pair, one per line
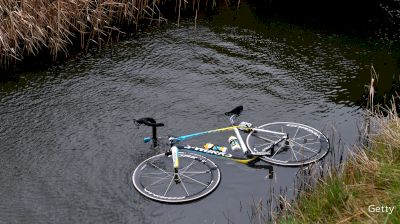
(68, 145)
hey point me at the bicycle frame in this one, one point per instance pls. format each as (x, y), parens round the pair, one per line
(249, 153)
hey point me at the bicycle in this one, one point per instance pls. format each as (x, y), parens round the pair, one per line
(181, 174)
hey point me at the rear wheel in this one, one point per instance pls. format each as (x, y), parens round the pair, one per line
(155, 178)
(304, 145)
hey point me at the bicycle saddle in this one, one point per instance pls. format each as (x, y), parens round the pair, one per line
(236, 111)
(148, 121)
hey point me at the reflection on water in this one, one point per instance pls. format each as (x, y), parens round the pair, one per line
(68, 143)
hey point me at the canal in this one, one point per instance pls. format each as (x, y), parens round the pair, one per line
(68, 145)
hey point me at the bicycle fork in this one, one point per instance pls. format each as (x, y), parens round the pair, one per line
(175, 161)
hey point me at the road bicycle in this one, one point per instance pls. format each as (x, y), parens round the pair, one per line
(181, 174)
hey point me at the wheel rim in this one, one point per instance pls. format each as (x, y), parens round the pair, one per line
(155, 178)
(305, 144)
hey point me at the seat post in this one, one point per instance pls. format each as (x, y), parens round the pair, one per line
(148, 121)
(155, 136)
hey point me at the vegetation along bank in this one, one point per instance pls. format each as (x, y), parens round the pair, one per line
(365, 189)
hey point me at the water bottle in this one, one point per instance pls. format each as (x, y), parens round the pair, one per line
(234, 142)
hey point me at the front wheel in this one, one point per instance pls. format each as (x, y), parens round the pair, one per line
(156, 178)
(303, 146)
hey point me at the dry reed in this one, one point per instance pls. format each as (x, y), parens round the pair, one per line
(32, 27)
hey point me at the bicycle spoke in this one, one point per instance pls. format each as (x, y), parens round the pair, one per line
(296, 151)
(154, 177)
(277, 151)
(268, 148)
(292, 149)
(309, 143)
(160, 169)
(184, 187)
(156, 182)
(187, 167)
(199, 182)
(301, 136)
(293, 153)
(169, 186)
(262, 150)
(297, 131)
(197, 172)
(263, 138)
(156, 173)
(301, 145)
(258, 145)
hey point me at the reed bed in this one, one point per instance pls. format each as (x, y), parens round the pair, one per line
(34, 27)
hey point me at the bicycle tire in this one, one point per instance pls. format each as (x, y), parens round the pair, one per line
(154, 178)
(305, 144)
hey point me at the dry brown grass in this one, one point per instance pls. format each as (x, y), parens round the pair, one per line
(30, 27)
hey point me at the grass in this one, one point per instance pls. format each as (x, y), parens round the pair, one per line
(371, 176)
(33, 27)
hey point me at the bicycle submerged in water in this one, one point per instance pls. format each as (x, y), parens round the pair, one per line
(181, 174)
